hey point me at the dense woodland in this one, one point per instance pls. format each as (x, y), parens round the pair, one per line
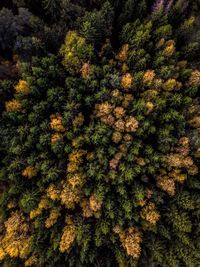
(100, 133)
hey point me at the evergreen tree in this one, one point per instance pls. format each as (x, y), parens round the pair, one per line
(99, 129)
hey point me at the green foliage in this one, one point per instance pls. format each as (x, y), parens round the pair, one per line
(75, 52)
(28, 201)
(99, 129)
(97, 26)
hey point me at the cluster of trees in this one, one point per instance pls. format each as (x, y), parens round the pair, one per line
(100, 130)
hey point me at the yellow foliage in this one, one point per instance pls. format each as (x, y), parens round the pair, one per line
(150, 106)
(16, 241)
(141, 162)
(131, 124)
(75, 160)
(116, 137)
(13, 105)
(128, 138)
(130, 239)
(25, 249)
(53, 192)
(148, 77)
(2, 254)
(120, 125)
(87, 212)
(56, 123)
(91, 207)
(166, 184)
(113, 163)
(22, 87)
(193, 170)
(132, 242)
(56, 137)
(95, 204)
(35, 213)
(44, 203)
(72, 167)
(179, 161)
(116, 93)
(127, 81)
(178, 176)
(195, 78)
(77, 142)
(85, 70)
(78, 120)
(184, 141)
(108, 119)
(29, 172)
(195, 122)
(150, 214)
(53, 217)
(12, 204)
(141, 202)
(68, 237)
(13, 249)
(122, 56)
(31, 261)
(70, 196)
(157, 85)
(170, 85)
(169, 48)
(119, 112)
(103, 109)
(75, 180)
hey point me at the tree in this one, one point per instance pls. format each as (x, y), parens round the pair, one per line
(75, 52)
(97, 26)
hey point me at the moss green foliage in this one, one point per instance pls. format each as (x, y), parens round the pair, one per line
(75, 52)
(100, 130)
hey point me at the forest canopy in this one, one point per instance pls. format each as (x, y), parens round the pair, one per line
(100, 133)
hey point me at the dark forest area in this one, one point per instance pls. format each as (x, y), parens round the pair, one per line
(100, 133)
